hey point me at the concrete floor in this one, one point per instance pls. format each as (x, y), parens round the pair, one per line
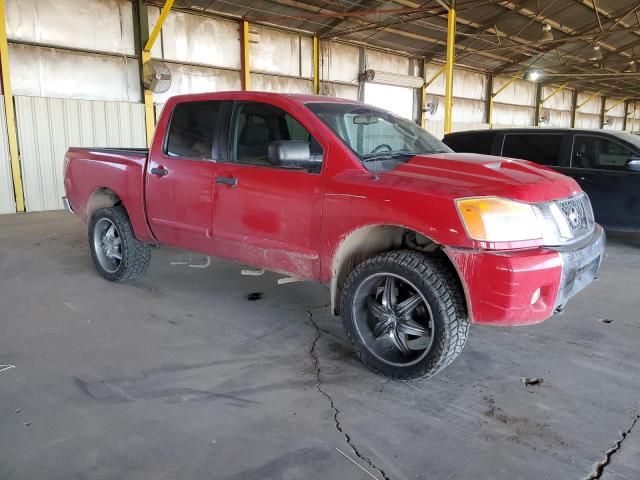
(178, 376)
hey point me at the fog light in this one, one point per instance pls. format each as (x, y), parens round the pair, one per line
(535, 297)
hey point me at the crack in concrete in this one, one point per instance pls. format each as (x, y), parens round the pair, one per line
(598, 467)
(336, 411)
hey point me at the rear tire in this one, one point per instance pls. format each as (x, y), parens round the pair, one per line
(404, 313)
(116, 253)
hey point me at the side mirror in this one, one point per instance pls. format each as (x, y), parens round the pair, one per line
(292, 154)
(634, 164)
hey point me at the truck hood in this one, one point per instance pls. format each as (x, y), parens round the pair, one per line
(466, 175)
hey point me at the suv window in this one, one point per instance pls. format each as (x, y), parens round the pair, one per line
(192, 129)
(542, 148)
(258, 124)
(471, 142)
(598, 152)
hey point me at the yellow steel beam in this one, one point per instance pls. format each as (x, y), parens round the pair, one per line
(423, 120)
(244, 56)
(511, 80)
(589, 98)
(493, 96)
(156, 29)
(316, 65)
(615, 104)
(555, 90)
(448, 89)
(149, 111)
(10, 114)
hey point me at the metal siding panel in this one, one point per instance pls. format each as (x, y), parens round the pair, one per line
(47, 127)
(7, 198)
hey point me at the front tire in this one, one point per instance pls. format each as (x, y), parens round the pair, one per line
(116, 253)
(404, 314)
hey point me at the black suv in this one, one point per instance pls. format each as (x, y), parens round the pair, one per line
(606, 164)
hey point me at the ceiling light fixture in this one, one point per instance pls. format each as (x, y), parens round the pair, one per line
(547, 34)
(631, 67)
(533, 75)
(596, 55)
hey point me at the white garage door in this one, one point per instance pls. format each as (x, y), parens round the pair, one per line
(398, 100)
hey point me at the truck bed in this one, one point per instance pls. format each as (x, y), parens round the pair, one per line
(93, 174)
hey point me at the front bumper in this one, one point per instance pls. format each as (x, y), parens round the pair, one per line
(522, 287)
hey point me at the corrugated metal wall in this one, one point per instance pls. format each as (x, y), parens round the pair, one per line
(7, 199)
(47, 127)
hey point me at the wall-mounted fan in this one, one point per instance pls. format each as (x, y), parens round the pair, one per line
(156, 76)
(431, 105)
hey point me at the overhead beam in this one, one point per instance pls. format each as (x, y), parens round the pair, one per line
(10, 115)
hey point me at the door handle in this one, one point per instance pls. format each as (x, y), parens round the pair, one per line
(227, 181)
(159, 171)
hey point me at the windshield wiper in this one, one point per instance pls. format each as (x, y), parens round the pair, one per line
(389, 155)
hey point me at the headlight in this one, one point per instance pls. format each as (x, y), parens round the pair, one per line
(494, 219)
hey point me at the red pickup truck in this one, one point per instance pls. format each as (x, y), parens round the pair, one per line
(414, 241)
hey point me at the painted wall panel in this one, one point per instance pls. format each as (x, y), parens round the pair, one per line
(512, 115)
(614, 107)
(7, 198)
(47, 127)
(270, 83)
(277, 52)
(198, 39)
(106, 25)
(48, 72)
(387, 62)
(592, 106)
(561, 100)
(585, 120)
(464, 110)
(519, 92)
(469, 85)
(191, 79)
(339, 62)
(339, 90)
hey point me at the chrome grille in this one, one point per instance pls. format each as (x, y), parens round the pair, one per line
(578, 214)
(574, 212)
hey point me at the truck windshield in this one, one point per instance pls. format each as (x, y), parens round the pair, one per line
(375, 134)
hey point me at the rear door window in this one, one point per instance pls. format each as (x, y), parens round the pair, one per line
(598, 152)
(542, 148)
(472, 142)
(192, 130)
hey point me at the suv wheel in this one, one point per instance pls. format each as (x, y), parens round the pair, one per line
(404, 314)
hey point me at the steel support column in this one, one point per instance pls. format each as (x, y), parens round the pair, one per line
(316, 65)
(538, 105)
(448, 90)
(10, 114)
(602, 111)
(626, 115)
(574, 108)
(245, 70)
